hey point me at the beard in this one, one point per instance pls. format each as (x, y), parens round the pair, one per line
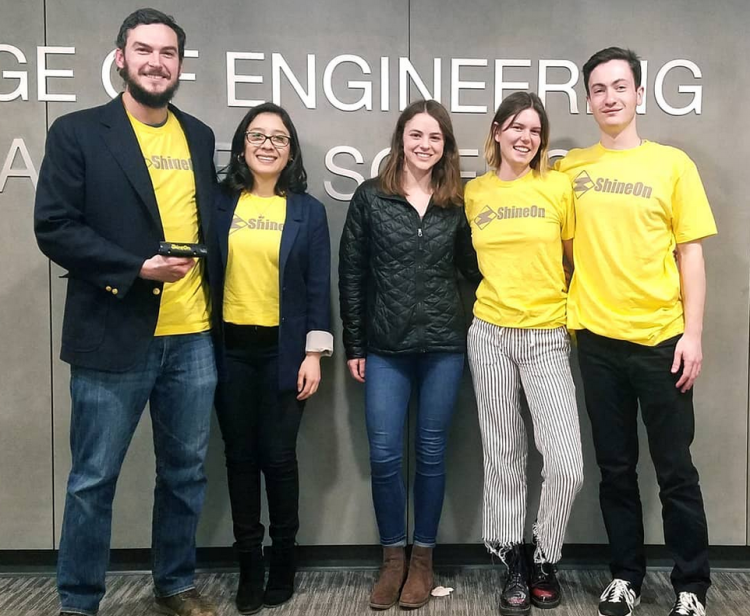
(153, 100)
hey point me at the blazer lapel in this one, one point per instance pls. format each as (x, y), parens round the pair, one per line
(291, 228)
(226, 205)
(121, 141)
(203, 171)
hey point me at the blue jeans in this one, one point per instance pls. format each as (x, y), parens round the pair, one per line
(178, 378)
(389, 381)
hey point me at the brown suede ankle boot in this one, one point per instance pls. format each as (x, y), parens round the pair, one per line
(418, 585)
(391, 579)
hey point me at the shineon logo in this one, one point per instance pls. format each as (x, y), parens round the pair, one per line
(487, 215)
(259, 223)
(167, 162)
(583, 183)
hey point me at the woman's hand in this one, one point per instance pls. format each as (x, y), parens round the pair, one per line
(308, 377)
(357, 368)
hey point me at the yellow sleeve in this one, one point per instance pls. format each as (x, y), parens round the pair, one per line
(692, 218)
(469, 191)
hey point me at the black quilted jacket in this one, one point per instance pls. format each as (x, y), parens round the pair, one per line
(398, 284)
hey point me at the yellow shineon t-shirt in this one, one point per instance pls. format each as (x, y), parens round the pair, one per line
(184, 307)
(517, 229)
(251, 290)
(632, 208)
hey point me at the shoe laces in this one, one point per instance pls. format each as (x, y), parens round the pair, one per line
(516, 579)
(687, 604)
(619, 591)
(543, 573)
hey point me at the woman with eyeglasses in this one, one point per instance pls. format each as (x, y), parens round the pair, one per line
(276, 319)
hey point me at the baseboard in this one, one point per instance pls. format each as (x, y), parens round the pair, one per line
(575, 556)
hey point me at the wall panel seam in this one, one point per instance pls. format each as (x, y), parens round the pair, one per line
(410, 407)
(747, 440)
(51, 328)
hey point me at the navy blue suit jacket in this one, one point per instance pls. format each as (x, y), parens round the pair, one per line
(304, 275)
(96, 215)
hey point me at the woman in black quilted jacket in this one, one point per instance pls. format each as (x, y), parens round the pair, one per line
(404, 331)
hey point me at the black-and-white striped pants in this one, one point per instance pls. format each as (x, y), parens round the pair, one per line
(502, 360)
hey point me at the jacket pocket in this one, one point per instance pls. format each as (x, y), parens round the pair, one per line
(86, 309)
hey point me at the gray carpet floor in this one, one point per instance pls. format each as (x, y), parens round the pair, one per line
(336, 592)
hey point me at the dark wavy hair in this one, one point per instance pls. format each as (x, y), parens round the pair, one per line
(613, 53)
(145, 17)
(293, 177)
(446, 174)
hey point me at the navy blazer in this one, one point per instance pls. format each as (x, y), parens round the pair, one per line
(304, 275)
(96, 215)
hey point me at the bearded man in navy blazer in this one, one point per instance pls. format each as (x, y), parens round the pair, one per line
(116, 181)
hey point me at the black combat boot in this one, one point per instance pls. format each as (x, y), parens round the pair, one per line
(514, 600)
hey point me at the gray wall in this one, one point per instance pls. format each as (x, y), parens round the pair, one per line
(26, 408)
(335, 500)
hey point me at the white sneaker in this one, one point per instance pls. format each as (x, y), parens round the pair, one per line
(618, 599)
(687, 604)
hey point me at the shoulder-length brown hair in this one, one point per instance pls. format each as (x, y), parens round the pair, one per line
(509, 109)
(446, 174)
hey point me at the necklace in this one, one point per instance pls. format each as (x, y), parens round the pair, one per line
(261, 205)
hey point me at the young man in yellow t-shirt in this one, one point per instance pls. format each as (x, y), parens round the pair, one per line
(636, 299)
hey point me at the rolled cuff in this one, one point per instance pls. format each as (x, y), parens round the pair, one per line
(319, 341)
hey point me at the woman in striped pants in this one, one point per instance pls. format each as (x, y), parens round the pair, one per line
(522, 221)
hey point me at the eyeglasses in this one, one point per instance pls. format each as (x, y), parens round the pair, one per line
(258, 139)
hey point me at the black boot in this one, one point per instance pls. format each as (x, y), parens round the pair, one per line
(252, 575)
(545, 588)
(514, 600)
(280, 587)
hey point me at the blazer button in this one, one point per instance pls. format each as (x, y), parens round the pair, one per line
(108, 288)
(156, 291)
(114, 291)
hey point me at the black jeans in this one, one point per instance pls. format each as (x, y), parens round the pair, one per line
(259, 425)
(617, 375)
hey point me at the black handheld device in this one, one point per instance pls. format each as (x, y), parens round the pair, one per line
(177, 249)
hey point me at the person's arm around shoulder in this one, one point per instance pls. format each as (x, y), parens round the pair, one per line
(465, 255)
(568, 260)
(354, 256)
(319, 340)
(568, 229)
